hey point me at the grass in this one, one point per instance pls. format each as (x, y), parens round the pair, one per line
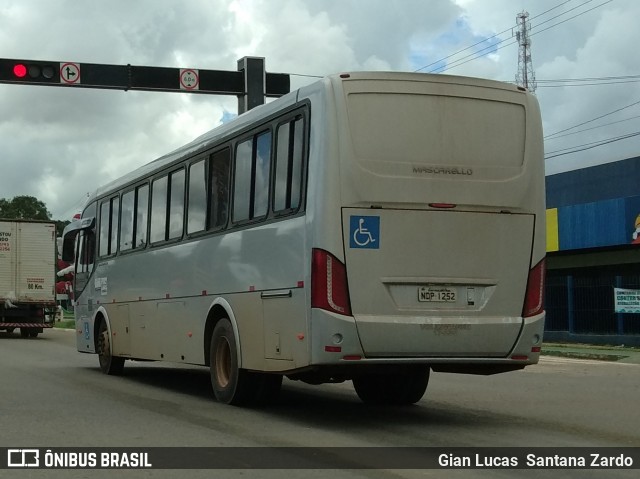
(65, 324)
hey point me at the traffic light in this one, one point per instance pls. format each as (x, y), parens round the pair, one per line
(29, 71)
(250, 83)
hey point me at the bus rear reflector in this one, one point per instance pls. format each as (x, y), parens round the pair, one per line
(445, 206)
(534, 300)
(333, 349)
(329, 288)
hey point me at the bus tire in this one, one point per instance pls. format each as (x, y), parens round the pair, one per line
(403, 388)
(232, 385)
(109, 364)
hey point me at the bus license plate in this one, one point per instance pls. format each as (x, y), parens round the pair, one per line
(442, 295)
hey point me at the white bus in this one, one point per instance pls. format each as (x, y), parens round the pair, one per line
(369, 227)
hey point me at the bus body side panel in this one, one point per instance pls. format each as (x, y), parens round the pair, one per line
(158, 301)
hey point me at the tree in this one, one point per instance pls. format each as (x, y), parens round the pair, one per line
(24, 208)
(60, 226)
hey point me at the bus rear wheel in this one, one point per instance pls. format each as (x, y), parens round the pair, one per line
(400, 388)
(109, 364)
(231, 384)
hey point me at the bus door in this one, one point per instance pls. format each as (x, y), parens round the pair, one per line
(79, 245)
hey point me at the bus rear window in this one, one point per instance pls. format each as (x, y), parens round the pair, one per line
(442, 130)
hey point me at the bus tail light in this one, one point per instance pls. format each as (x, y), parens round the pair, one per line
(329, 288)
(534, 300)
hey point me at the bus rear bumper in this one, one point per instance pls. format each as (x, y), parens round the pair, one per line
(336, 347)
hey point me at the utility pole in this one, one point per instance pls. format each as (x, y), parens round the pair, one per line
(525, 77)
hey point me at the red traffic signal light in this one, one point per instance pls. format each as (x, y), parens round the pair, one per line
(29, 71)
(20, 70)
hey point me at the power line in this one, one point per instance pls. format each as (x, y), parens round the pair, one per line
(588, 146)
(79, 203)
(495, 48)
(480, 53)
(489, 38)
(564, 13)
(570, 18)
(590, 84)
(304, 75)
(594, 128)
(592, 120)
(464, 49)
(590, 79)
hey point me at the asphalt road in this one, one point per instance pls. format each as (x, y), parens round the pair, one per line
(52, 396)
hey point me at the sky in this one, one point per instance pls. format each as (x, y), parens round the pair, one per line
(58, 144)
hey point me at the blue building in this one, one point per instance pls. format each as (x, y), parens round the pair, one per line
(593, 252)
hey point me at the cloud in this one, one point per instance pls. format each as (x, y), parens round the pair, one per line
(59, 143)
(604, 50)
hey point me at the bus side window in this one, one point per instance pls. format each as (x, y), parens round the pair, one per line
(115, 217)
(127, 220)
(220, 168)
(104, 228)
(242, 181)
(197, 204)
(251, 182)
(159, 209)
(176, 205)
(288, 174)
(142, 214)
(262, 170)
(109, 214)
(133, 218)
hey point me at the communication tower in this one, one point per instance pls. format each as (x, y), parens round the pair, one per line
(525, 76)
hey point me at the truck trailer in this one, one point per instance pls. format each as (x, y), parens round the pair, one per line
(27, 276)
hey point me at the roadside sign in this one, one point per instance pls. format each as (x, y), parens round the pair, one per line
(189, 79)
(70, 73)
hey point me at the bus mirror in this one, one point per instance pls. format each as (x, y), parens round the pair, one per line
(69, 237)
(87, 223)
(68, 247)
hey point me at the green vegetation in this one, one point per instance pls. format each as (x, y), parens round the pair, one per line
(65, 324)
(24, 208)
(28, 208)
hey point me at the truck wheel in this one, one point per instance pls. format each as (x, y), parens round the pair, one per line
(24, 333)
(10, 330)
(33, 333)
(109, 364)
(403, 388)
(232, 385)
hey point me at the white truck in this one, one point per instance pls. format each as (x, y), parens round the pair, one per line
(27, 276)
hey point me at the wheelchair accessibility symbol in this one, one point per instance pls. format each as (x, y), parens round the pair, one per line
(364, 232)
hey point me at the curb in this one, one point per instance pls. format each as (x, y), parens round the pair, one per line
(579, 355)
